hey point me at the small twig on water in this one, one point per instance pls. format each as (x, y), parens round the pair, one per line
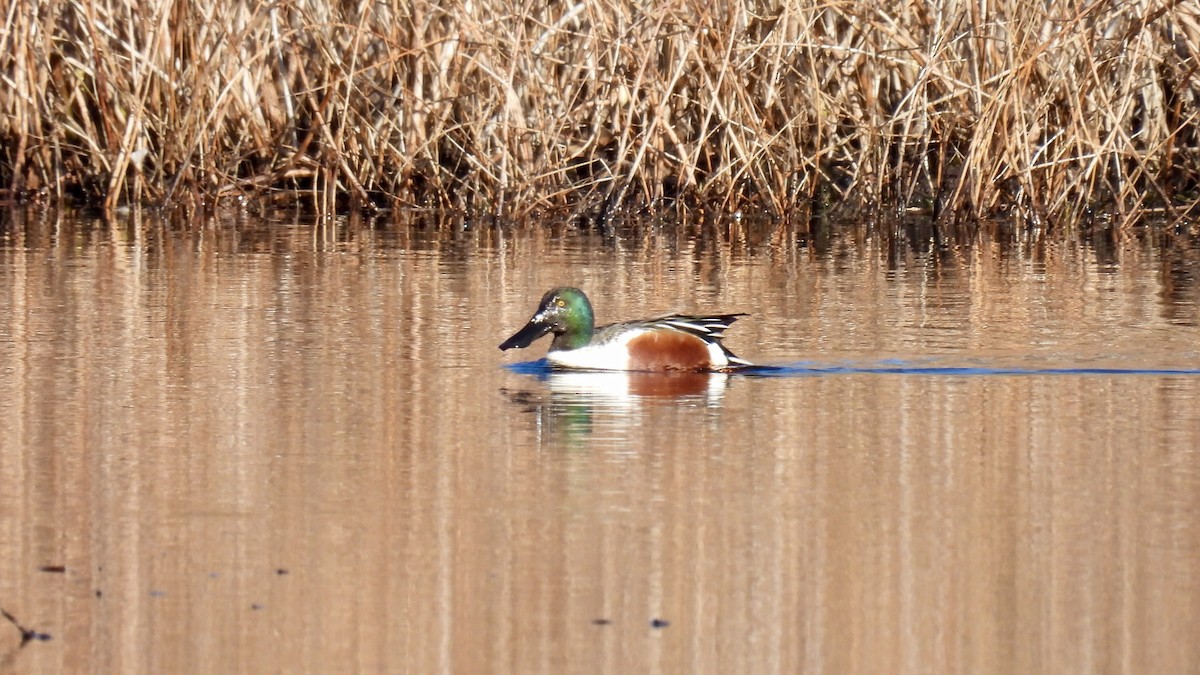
(26, 633)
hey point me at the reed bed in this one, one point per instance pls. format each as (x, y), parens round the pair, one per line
(1051, 108)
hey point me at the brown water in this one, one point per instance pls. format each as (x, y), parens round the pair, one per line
(249, 447)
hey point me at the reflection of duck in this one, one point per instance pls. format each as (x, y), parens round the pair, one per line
(572, 392)
(622, 388)
(675, 342)
(577, 404)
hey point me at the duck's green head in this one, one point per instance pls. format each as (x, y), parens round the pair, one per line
(564, 311)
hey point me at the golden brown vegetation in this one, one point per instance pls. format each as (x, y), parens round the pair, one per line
(1054, 107)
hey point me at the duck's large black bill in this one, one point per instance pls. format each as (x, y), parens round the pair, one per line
(525, 336)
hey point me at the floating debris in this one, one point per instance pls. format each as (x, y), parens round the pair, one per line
(27, 634)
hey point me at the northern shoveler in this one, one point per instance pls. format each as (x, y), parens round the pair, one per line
(674, 342)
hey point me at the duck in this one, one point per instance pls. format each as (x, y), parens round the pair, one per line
(673, 342)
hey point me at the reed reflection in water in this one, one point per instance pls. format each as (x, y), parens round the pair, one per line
(261, 446)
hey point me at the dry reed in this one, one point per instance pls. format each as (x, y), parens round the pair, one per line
(1054, 108)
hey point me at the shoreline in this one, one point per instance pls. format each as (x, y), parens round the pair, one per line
(594, 107)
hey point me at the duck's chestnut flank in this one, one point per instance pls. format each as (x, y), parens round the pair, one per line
(668, 350)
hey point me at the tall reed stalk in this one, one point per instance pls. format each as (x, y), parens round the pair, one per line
(1055, 107)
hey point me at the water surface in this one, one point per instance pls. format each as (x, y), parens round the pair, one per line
(286, 446)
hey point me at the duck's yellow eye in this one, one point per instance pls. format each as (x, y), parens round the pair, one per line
(560, 302)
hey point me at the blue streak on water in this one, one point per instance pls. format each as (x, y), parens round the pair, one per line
(959, 371)
(541, 368)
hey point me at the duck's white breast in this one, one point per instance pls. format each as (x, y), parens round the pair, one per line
(609, 355)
